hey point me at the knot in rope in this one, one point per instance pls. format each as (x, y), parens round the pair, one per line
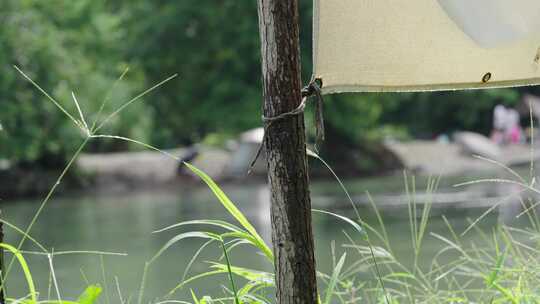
(312, 89)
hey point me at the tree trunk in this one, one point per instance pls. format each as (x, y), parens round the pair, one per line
(285, 146)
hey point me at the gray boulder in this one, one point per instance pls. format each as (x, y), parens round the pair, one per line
(477, 144)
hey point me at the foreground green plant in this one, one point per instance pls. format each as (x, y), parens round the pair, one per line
(88, 133)
(503, 268)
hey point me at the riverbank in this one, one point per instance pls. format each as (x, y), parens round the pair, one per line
(427, 157)
(132, 171)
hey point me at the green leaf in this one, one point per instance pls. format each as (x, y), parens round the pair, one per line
(26, 270)
(194, 297)
(194, 278)
(355, 225)
(334, 279)
(234, 211)
(193, 234)
(217, 223)
(248, 274)
(90, 295)
(507, 293)
(206, 300)
(492, 278)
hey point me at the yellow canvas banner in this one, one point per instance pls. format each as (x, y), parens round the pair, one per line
(416, 45)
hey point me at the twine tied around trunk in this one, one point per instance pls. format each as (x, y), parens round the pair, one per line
(312, 89)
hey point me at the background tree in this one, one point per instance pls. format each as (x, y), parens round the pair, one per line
(285, 147)
(213, 45)
(63, 46)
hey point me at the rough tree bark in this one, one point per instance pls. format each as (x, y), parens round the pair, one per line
(285, 146)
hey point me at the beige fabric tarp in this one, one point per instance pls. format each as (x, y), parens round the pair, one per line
(416, 45)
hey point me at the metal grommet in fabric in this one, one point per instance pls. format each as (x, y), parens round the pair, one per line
(486, 78)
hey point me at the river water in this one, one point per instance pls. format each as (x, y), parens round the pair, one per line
(124, 224)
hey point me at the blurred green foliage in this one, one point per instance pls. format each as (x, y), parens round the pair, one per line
(85, 45)
(64, 46)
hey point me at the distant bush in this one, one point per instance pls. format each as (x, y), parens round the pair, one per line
(66, 46)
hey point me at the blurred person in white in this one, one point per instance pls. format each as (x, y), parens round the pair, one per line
(513, 131)
(499, 124)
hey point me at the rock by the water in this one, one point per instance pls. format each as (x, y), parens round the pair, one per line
(477, 144)
(130, 169)
(255, 136)
(245, 152)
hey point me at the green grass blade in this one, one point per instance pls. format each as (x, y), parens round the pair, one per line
(26, 270)
(365, 236)
(45, 201)
(194, 278)
(353, 205)
(248, 274)
(90, 295)
(194, 258)
(334, 280)
(104, 279)
(106, 99)
(84, 125)
(125, 105)
(216, 223)
(182, 236)
(494, 275)
(230, 273)
(19, 230)
(194, 297)
(47, 95)
(354, 224)
(135, 142)
(233, 210)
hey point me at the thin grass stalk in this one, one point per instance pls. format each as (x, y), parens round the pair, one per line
(90, 134)
(332, 284)
(18, 230)
(53, 277)
(229, 271)
(412, 220)
(84, 277)
(82, 121)
(24, 266)
(503, 166)
(536, 220)
(104, 279)
(379, 275)
(499, 181)
(56, 103)
(353, 205)
(106, 99)
(394, 261)
(125, 105)
(366, 235)
(45, 201)
(118, 290)
(143, 283)
(510, 243)
(432, 185)
(485, 213)
(531, 172)
(70, 252)
(195, 256)
(375, 263)
(385, 237)
(527, 211)
(49, 285)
